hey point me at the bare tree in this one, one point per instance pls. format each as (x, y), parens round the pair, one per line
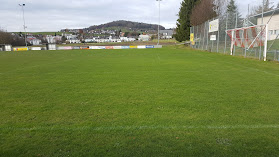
(8, 38)
(208, 9)
(266, 7)
(5, 37)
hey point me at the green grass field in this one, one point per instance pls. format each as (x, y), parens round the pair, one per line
(173, 101)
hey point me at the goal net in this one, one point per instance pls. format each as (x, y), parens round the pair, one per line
(249, 37)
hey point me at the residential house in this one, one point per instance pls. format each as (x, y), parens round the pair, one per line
(144, 37)
(273, 25)
(166, 34)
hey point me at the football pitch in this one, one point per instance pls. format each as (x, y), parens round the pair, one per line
(173, 101)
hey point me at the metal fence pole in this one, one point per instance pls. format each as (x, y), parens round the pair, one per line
(225, 49)
(197, 46)
(200, 37)
(207, 34)
(204, 35)
(212, 41)
(194, 46)
(235, 34)
(245, 44)
(190, 34)
(218, 36)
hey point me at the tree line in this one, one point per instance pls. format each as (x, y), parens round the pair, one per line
(8, 38)
(126, 24)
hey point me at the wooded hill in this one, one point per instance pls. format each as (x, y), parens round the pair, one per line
(127, 25)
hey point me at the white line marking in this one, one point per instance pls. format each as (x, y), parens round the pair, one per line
(224, 127)
(159, 58)
(245, 68)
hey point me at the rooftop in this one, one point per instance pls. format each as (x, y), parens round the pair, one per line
(268, 13)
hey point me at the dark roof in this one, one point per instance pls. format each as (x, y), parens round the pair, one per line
(169, 31)
(268, 13)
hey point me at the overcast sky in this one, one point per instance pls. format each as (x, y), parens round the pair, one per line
(54, 15)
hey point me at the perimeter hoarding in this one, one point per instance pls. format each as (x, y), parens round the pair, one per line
(192, 38)
(64, 48)
(125, 47)
(21, 49)
(36, 48)
(141, 47)
(109, 47)
(213, 38)
(214, 26)
(116, 47)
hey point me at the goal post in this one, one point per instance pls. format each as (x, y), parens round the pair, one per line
(249, 37)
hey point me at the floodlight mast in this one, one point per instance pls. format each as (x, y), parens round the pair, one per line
(159, 21)
(24, 26)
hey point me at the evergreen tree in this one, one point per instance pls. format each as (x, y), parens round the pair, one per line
(183, 22)
(233, 13)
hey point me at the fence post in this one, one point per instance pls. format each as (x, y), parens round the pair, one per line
(195, 37)
(235, 28)
(204, 36)
(225, 49)
(276, 55)
(218, 35)
(197, 46)
(200, 37)
(212, 46)
(207, 31)
(190, 35)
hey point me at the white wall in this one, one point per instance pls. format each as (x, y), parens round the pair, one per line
(273, 25)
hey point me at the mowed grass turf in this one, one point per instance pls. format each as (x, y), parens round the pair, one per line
(173, 101)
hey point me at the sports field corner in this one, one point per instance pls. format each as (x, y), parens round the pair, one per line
(173, 101)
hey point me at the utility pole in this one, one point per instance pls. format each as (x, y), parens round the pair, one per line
(24, 26)
(159, 21)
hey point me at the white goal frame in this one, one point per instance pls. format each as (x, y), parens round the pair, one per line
(257, 41)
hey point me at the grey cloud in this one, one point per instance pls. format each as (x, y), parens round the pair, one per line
(53, 15)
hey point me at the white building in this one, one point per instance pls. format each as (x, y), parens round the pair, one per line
(90, 40)
(35, 42)
(69, 37)
(131, 39)
(126, 39)
(273, 25)
(50, 39)
(73, 41)
(144, 37)
(166, 34)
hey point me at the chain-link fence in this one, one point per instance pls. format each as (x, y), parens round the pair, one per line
(220, 42)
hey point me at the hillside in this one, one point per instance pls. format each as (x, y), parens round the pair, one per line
(128, 25)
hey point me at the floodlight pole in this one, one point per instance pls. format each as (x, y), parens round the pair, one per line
(24, 26)
(159, 21)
